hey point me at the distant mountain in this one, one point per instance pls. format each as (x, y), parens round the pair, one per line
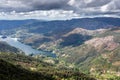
(45, 31)
(52, 27)
(61, 27)
(11, 24)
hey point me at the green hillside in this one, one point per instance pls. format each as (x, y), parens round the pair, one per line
(9, 71)
(21, 67)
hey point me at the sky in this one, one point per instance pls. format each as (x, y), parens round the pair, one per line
(58, 9)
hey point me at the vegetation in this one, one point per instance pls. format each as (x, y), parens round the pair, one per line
(11, 72)
(75, 54)
(21, 67)
(102, 61)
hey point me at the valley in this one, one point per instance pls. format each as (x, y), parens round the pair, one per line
(59, 40)
(66, 46)
(25, 48)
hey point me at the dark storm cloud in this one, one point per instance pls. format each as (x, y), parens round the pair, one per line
(32, 5)
(50, 4)
(78, 7)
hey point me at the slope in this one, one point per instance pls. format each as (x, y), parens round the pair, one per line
(12, 72)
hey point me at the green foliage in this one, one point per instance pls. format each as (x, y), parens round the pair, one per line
(40, 71)
(114, 78)
(11, 72)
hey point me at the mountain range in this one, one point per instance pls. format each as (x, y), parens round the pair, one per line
(90, 45)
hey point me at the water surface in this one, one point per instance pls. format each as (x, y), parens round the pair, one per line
(25, 48)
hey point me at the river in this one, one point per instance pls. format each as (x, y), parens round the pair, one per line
(25, 48)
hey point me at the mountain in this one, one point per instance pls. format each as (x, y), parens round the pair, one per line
(94, 51)
(35, 31)
(11, 24)
(53, 27)
(90, 45)
(86, 31)
(91, 51)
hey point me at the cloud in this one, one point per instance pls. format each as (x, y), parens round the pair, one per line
(66, 8)
(32, 5)
(48, 15)
(96, 7)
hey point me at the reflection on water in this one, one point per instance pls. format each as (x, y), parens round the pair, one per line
(25, 48)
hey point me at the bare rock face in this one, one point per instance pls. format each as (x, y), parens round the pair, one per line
(106, 43)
